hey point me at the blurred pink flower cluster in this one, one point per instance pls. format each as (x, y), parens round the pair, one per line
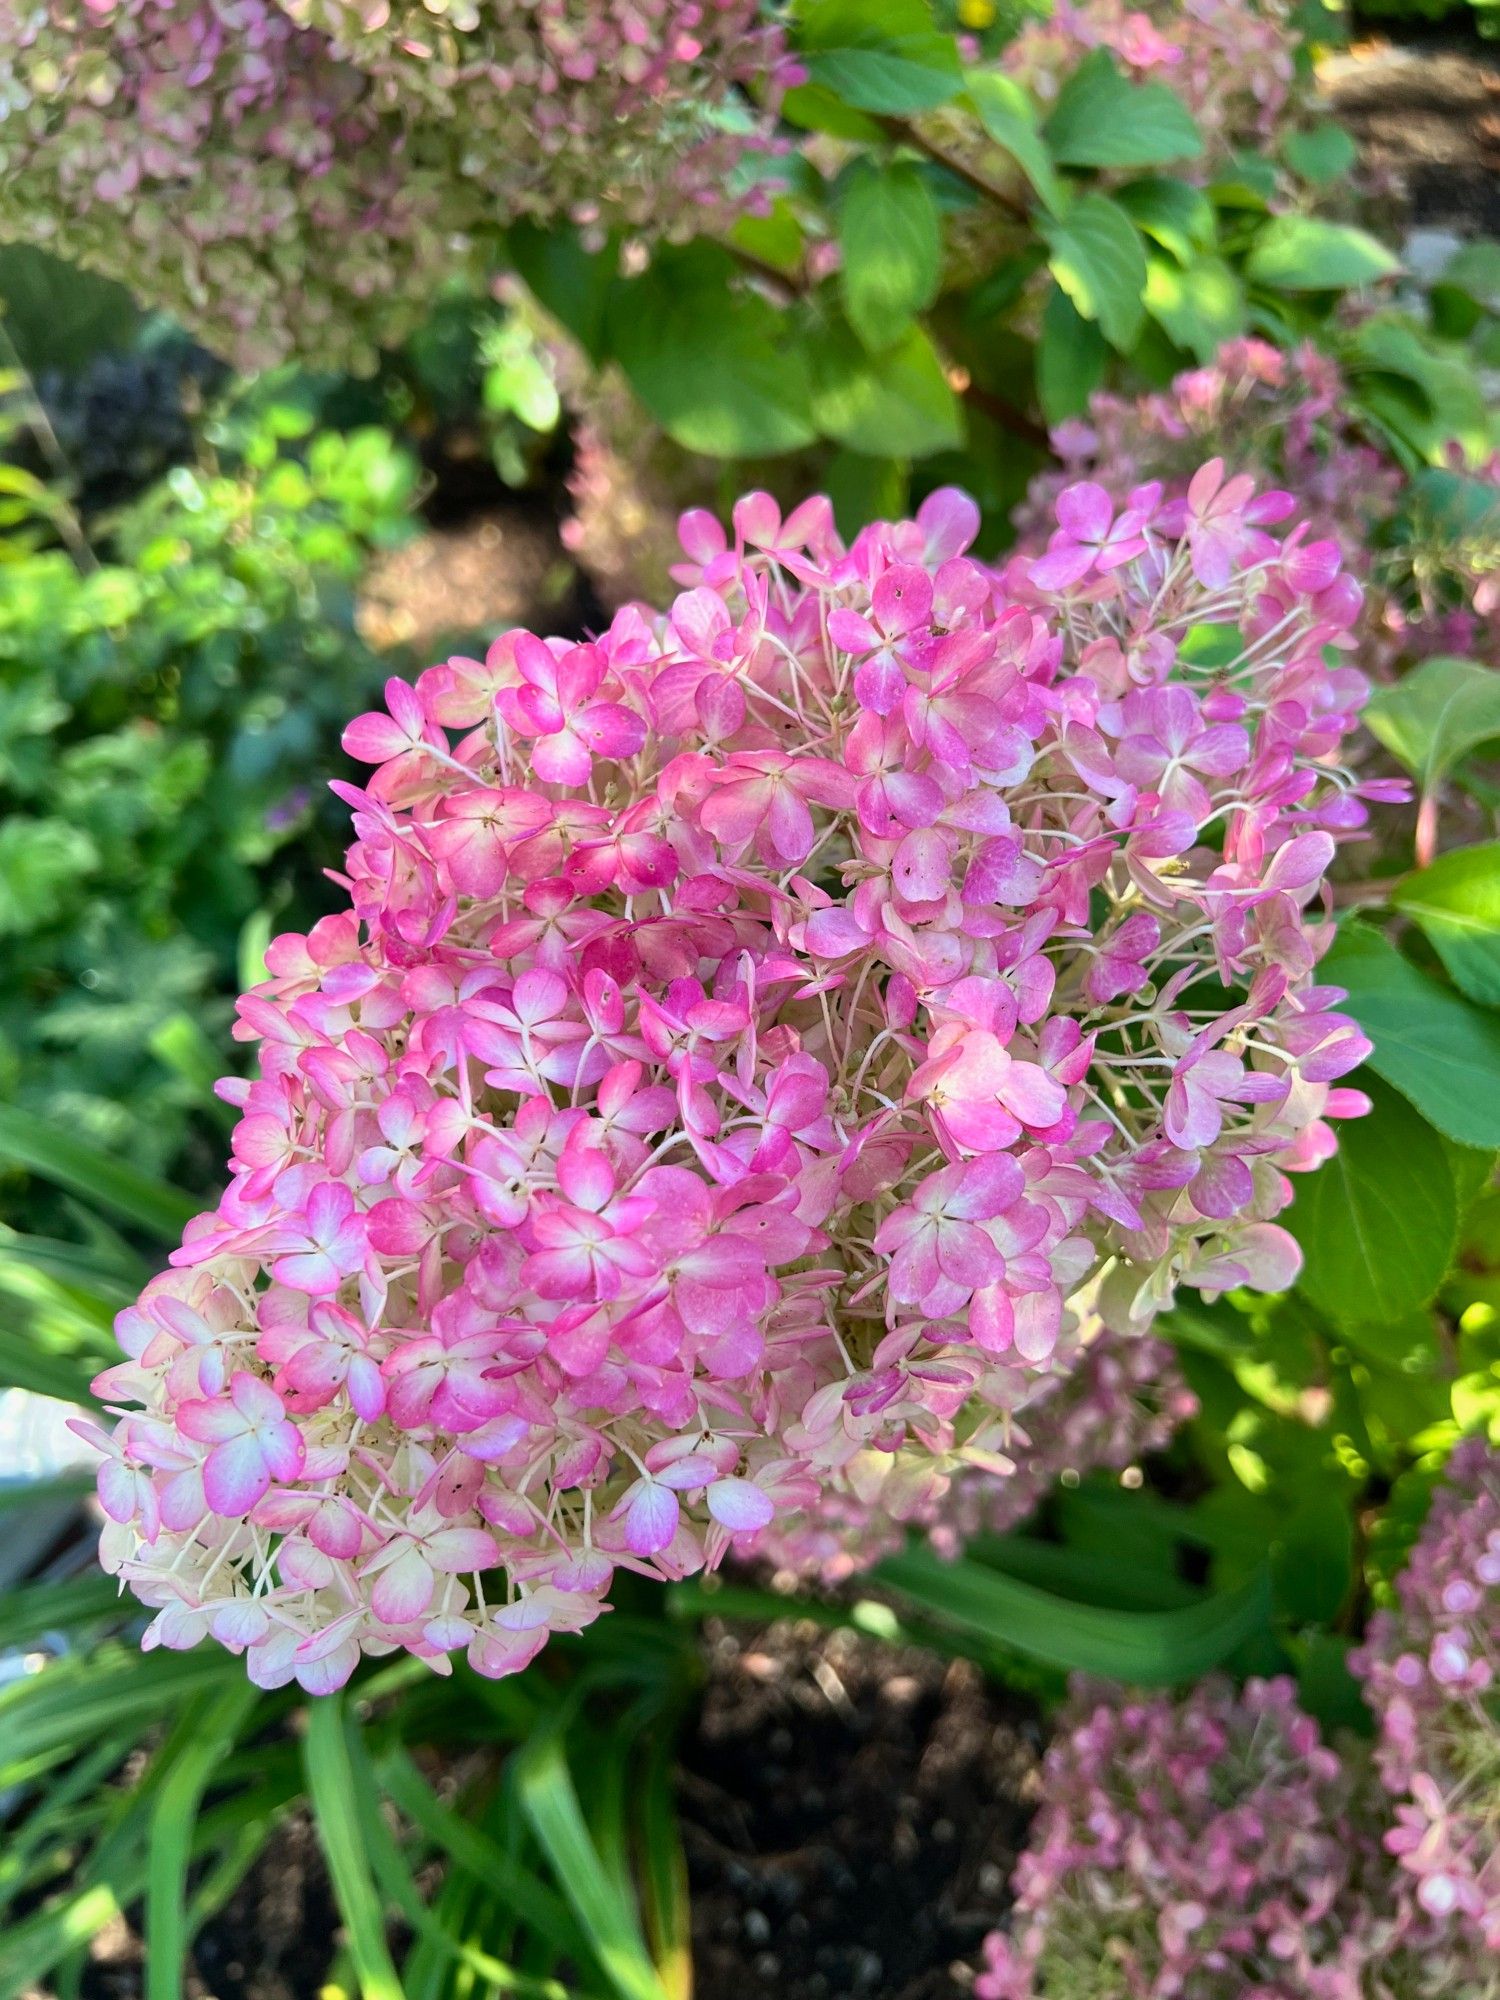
(1288, 416)
(1232, 63)
(757, 1037)
(1215, 1848)
(1431, 1673)
(282, 191)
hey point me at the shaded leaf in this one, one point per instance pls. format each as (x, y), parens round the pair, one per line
(1435, 1047)
(1102, 120)
(1098, 259)
(892, 246)
(1436, 715)
(1377, 1222)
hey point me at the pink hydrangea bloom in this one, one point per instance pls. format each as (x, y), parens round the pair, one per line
(739, 1069)
(1215, 1847)
(1431, 1673)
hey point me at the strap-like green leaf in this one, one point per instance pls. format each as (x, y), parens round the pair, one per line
(1147, 1648)
(33, 1143)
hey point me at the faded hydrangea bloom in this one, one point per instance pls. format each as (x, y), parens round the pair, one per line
(1431, 1673)
(759, 1038)
(1214, 1847)
(287, 188)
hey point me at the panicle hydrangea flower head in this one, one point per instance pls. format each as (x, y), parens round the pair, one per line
(302, 185)
(1431, 1673)
(757, 1036)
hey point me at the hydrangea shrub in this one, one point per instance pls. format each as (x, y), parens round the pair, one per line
(757, 1037)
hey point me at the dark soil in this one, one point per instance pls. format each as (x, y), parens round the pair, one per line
(851, 1813)
(1427, 117)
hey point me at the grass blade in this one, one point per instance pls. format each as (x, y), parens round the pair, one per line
(478, 1853)
(173, 1824)
(551, 1805)
(664, 1877)
(330, 1781)
(82, 1169)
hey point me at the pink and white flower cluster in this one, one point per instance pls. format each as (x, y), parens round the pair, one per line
(1431, 1673)
(1233, 62)
(1216, 1848)
(299, 179)
(757, 1037)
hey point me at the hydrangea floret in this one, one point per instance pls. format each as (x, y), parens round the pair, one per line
(758, 1035)
(1430, 1668)
(302, 185)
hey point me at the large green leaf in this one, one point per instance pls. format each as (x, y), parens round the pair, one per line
(1457, 903)
(1198, 307)
(715, 364)
(1302, 253)
(1178, 217)
(1101, 120)
(1070, 358)
(31, 1142)
(886, 56)
(1098, 259)
(1436, 1048)
(1149, 1648)
(1437, 715)
(892, 244)
(1377, 1222)
(892, 405)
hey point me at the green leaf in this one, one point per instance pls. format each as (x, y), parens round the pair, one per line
(816, 109)
(1101, 120)
(1377, 1222)
(32, 1143)
(571, 282)
(1437, 1049)
(551, 1806)
(713, 363)
(330, 1783)
(892, 243)
(1301, 253)
(1198, 308)
(1070, 358)
(878, 55)
(1178, 217)
(864, 490)
(1456, 901)
(173, 1822)
(1009, 117)
(1148, 1648)
(1437, 715)
(1323, 153)
(1098, 259)
(897, 404)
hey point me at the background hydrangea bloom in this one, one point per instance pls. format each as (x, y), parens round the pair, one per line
(1431, 1672)
(305, 185)
(757, 1038)
(1216, 1848)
